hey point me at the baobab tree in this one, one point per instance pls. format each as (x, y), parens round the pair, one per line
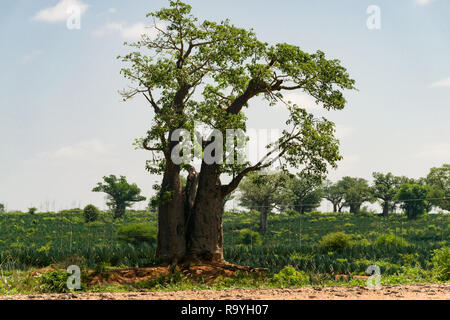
(209, 72)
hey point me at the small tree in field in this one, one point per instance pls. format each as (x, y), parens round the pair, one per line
(307, 194)
(439, 181)
(264, 192)
(334, 193)
(120, 193)
(413, 198)
(2, 208)
(385, 188)
(356, 192)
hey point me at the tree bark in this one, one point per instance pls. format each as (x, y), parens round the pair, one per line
(205, 235)
(171, 218)
(385, 208)
(119, 211)
(335, 207)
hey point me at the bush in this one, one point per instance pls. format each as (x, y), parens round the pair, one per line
(335, 241)
(389, 239)
(91, 213)
(249, 237)
(54, 282)
(136, 233)
(441, 264)
(32, 211)
(289, 277)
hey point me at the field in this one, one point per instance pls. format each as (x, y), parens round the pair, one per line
(403, 249)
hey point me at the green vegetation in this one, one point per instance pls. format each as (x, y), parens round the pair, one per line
(137, 233)
(91, 213)
(46, 239)
(249, 237)
(120, 193)
(335, 241)
(441, 264)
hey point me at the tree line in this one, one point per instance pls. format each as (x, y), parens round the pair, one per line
(302, 193)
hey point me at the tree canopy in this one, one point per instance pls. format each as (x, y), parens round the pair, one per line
(120, 193)
(439, 181)
(385, 188)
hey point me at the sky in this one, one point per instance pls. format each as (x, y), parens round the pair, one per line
(63, 125)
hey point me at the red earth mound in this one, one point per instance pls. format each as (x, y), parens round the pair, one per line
(202, 271)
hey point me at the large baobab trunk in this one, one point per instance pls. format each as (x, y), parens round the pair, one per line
(171, 218)
(205, 233)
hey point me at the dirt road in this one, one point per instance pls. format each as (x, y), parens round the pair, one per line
(413, 292)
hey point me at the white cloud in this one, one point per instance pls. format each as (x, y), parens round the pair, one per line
(112, 10)
(31, 56)
(60, 12)
(93, 148)
(444, 83)
(131, 32)
(424, 2)
(303, 100)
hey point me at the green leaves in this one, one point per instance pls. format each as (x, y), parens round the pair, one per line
(209, 71)
(120, 193)
(413, 198)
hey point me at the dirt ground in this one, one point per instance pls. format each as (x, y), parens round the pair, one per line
(402, 292)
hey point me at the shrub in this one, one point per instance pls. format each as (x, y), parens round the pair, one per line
(249, 237)
(54, 281)
(289, 277)
(91, 213)
(32, 210)
(136, 233)
(389, 239)
(335, 241)
(441, 264)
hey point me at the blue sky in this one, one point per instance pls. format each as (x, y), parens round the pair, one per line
(63, 125)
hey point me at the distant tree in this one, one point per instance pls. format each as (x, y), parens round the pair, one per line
(120, 193)
(307, 193)
(264, 192)
(335, 194)
(385, 188)
(356, 192)
(2, 208)
(413, 198)
(439, 181)
(32, 210)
